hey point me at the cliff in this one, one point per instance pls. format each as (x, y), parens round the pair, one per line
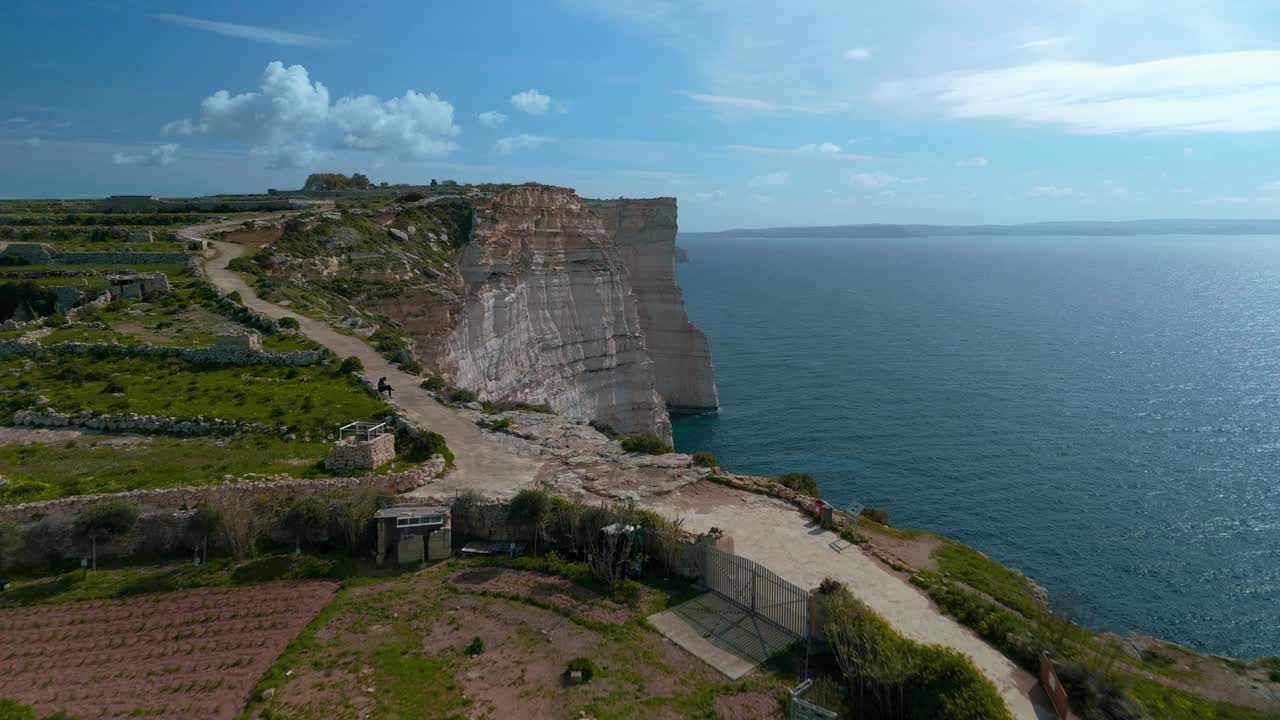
(549, 315)
(645, 231)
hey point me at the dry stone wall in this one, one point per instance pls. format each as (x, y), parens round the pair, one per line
(133, 422)
(217, 355)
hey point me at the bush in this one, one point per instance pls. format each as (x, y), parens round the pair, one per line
(474, 648)
(501, 424)
(434, 384)
(419, 448)
(488, 408)
(288, 323)
(705, 459)
(582, 665)
(461, 395)
(648, 444)
(800, 482)
(876, 515)
(604, 429)
(411, 366)
(352, 364)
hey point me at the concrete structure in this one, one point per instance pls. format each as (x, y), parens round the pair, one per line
(30, 253)
(413, 533)
(353, 453)
(239, 342)
(137, 285)
(142, 236)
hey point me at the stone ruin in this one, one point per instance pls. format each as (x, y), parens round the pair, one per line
(361, 446)
(30, 253)
(137, 285)
(239, 342)
(140, 236)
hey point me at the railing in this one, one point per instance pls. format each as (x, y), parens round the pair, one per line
(361, 431)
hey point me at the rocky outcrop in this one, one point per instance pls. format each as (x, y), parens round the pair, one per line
(548, 314)
(645, 232)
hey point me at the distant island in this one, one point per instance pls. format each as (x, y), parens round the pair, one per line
(1127, 227)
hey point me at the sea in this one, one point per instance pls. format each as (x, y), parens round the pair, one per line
(1101, 413)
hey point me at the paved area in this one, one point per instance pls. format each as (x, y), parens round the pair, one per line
(721, 634)
(480, 461)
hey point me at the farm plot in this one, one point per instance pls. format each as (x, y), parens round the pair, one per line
(188, 654)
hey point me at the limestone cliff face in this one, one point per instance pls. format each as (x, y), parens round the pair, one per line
(548, 314)
(645, 231)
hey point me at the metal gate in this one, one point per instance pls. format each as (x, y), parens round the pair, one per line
(756, 589)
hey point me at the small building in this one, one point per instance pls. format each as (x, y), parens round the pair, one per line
(140, 236)
(413, 533)
(246, 342)
(361, 446)
(137, 285)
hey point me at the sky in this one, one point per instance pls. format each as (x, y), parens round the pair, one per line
(753, 113)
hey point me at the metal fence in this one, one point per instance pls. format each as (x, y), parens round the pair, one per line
(756, 589)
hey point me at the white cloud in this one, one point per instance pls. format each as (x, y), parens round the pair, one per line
(882, 179)
(825, 148)
(1046, 44)
(520, 143)
(728, 102)
(857, 54)
(284, 118)
(1051, 191)
(811, 150)
(491, 118)
(1271, 187)
(977, 161)
(1233, 92)
(244, 32)
(761, 198)
(159, 155)
(532, 102)
(781, 177)
(34, 142)
(415, 125)
(708, 196)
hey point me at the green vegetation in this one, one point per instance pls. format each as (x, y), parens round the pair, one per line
(461, 395)
(1272, 666)
(336, 181)
(105, 521)
(500, 424)
(705, 459)
(351, 364)
(981, 573)
(581, 665)
(1167, 703)
(800, 482)
(170, 269)
(91, 465)
(888, 676)
(310, 399)
(875, 515)
(419, 447)
(434, 384)
(644, 443)
(14, 710)
(474, 648)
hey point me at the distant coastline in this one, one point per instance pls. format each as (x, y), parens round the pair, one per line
(1092, 228)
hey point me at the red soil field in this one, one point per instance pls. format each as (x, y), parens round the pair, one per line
(188, 654)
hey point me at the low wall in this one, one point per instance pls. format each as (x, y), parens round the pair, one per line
(135, 423)
(122, 257)
(201, 356)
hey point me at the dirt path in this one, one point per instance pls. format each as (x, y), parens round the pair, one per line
(479, 461)
(776, 535)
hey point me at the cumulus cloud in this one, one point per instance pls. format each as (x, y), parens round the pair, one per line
(284, 118)
(977, 161)
(825, 147)
(781, 177)
(491, 118)
(857, 54)
(1233, 92)
(244, 32)
(520, 143)
(532, 102)
(734, 103)
(415, 125)
(159, 155)
(882, 179)
(1051, 191)
(708, 196)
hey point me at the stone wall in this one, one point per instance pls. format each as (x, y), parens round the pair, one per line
(202, 356)
(120, 257)
(133, 422)
(351, 454)
(33, 253)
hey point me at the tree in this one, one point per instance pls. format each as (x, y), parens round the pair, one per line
(238, 519)
(529, 510)
(10, 541)
(105, 521)
(352, 511)
(308, 518)
(203, 523)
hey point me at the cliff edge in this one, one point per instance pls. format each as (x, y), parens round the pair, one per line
(645, 232)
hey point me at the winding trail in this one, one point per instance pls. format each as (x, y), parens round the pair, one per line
(479, 461)
(768, 531)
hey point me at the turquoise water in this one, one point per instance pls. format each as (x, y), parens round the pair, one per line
(1100, 413)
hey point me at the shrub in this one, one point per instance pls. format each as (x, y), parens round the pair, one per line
(419, 447)
(705, 459)
(475, 647)
(830, 585)
(645, 443)
(876, 515)
(434, 384)
(800, 482)
(352, 364)
(55, 320)
(501, 424)
(288, 323)
(104, 521)
(112, 387)
(411, 366)
(308, 519)
(582, 665)
(604, 428)
(10, 542)
(488, 408)
(461, 395)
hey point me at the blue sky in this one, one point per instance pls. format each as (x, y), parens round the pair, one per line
(751, 112)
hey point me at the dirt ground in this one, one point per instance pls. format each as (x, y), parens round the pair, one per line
(188, 654)
(51, 436)
(476, 641)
